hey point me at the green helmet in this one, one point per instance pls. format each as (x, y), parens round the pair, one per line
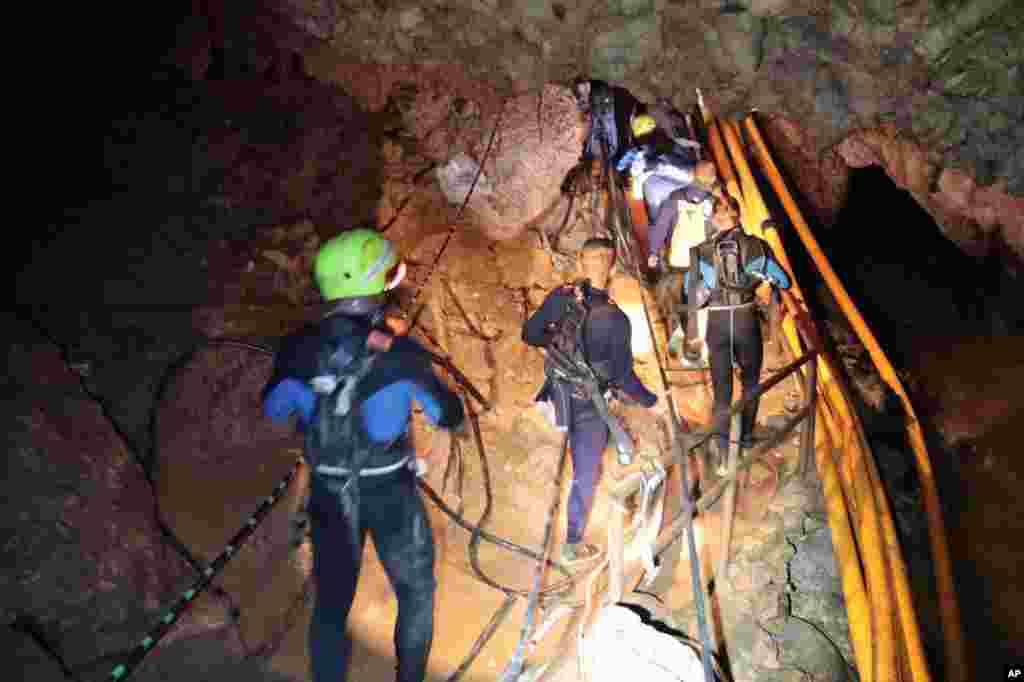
(356, 263)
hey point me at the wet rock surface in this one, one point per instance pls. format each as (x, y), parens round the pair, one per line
(946, 79)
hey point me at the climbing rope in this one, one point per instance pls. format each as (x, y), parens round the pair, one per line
(686, 499)
(455, 222)
(171, 616)
(515, 666)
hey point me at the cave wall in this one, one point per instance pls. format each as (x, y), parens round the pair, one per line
(932, 89)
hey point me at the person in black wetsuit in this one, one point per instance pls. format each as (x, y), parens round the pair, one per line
(358, 448)
(606, 338)
(731, 264)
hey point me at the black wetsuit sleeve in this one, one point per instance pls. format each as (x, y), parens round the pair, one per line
(296, 358)
(535, 329)
(408, 361)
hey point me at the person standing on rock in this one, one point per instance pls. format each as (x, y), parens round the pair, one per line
(587, 339)
(353, 383)
(731, 265)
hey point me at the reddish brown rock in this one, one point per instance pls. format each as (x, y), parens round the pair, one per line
(537, 135)
(822, 180)
(82, 540)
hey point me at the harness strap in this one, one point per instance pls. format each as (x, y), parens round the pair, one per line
(372, 471)
(730, 307)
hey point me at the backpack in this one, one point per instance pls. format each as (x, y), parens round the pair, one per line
(688, 231)
(567, 360)
(730, 256)
(336, 439)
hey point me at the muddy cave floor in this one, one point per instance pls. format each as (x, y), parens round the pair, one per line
(483, 292)
(477, 300)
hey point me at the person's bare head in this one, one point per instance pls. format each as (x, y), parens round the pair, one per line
(705, 173)
(596, 259)
(725, 212)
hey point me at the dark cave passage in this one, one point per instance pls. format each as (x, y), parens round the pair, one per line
(907, 278)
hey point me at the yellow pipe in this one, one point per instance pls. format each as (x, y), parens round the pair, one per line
(950, 613)
(850, 574)
(877, 571)
(725, 171)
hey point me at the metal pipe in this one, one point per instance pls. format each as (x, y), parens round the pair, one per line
(873, 626)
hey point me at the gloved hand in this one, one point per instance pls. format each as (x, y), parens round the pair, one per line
(625, 160)
(289, 396)
(639, 166)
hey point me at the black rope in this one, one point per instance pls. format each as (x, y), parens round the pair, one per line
(455, 222)
(686, 500)
(171, 616)
(28, 625)
(515, 666)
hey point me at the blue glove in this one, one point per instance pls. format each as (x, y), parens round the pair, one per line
(627, 160)
(287, 397)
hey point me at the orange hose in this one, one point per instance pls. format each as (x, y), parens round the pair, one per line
(956, 669)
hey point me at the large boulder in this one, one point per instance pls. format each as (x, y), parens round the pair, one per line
(537, 135)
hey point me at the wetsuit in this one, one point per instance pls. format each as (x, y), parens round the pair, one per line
(389, 505)
(607, 339)
(734, 330)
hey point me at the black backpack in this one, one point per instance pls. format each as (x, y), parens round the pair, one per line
(335, 438)
(730, 256)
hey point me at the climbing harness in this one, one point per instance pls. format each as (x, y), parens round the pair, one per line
(568, 361)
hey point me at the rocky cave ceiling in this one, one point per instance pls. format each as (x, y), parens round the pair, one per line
(933, 90)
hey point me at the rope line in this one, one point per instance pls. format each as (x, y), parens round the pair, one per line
(455, 222)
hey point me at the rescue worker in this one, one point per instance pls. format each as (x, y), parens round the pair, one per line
(602, 340)
(603, 106)
(731, 264)
(657, 164)
(353, 385)
(671, 211)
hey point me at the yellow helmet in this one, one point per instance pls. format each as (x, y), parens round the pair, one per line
(643, 124)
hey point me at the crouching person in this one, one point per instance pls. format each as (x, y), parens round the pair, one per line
(588, 357)
(353, 384)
